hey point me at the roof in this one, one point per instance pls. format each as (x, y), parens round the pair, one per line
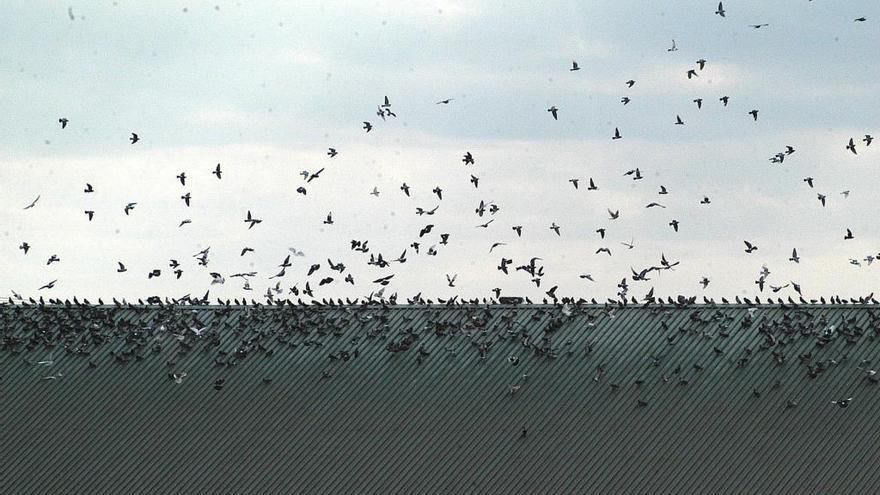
(434, 399)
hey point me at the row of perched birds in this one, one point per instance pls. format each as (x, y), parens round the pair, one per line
(430, 240)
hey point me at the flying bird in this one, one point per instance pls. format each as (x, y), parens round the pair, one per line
(63, 121)
(182, 178)
(625, 100)
(33, 203)
(368, 126)
(749, 247)
(848, 236)
(468, 158)
(678, 120)
(331, 152)
(90, 214)
(121, 268)
(724, 100)
(129, 207)
(553, 111)
(754, 114)
(134, 138)
(89, 188)
(50, 285)
(867, 139)
(720, 10)
(673, 48)
(851, 146)
(451, 280)
(251, 220)
(701, 63)
(821, 198)
(794, 256)
(218, 172)
(574, 66)
(444, 102)
(24, 247)
(616, 133)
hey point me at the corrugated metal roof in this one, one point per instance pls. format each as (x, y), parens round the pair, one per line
(418, 399)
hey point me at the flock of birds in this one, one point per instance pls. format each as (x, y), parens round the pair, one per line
(429, 242)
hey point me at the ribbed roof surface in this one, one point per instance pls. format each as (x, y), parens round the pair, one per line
(419, 399)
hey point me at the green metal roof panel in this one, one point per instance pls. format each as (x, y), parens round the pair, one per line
(418, 399)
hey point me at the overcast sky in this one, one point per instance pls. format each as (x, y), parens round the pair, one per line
(265, 88)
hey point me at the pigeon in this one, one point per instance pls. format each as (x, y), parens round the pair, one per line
(368, 126)
(451, 280)
(848, 236)
(555, 228)
(613, 215)
(329, 220)
(444, 102)
(331, 152)
(821, 199)
(33, 203)
(218, 172)
(186, 197)
(673, 48)
(89, 188)
(851, 146)
(129, 207)
(701, 63)
(674, 225)
(574, 66)
(90, 214)
(63, 121)
(691, 73)
(182, 178)
(699, 102)
(867, 139)
(720, 11)
(630, 83)
(749, 247)
(50, 285)
(809, 181)
(24, 247)
(387, 103)
(759, 26)
(754, 114)
(616, 133)
(592, 186)
(121, 268)
(625, 100)
(468, 158)
(405, 189)
(251, 220)
(553, 111)
(704, 282)
(794, 256)
(724, 100)
(678, 120)
(860, 19)
(134, 138)
(574, 182)
(663, 190)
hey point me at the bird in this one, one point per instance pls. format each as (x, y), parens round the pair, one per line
(673, 48)
(216, 278)
(329, 220)
(848, 236)
(24, 247)
(720, 10)
(794, 256)
(616, 133)
(451, 280)
(444, 102)
(860, 19)
(699, 102)
(52, 259)
(50, 285)
(842, 402)
(724, 100)
(33, 203)
(750, 247)
(613, 215)
(704, 282)
(121, 268)
(387, 103)
(701, 63)
(851, 146)
(438, 192)
(134, 138)
(555, 228)
(789, 150)
(754, 114)
(475, 181)
(184, 222)
(468, 159)
(601, 232)
(574, 182)
(90, 214)
(587, 276)
(845, 194)
(331, 152)
(674, 225)
(867, 139)
(182, 178)
(653, 204)
(705, 200)
(129, 207)
(375, 191)
(89, 188)
(368, 126)
(574, 66)
(246, 250)
(630, 83)
(809, 181)
(251, 220)
(821, 198)
(592, 186)
(625, 100)
(663, 190)
(63, 121)
(604, 250)
(186, 197)
(759, 26)
(518, 230)
(691, 73)
(553, 111)
(678, 120)
(218, 172)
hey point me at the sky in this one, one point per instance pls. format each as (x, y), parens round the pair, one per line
(265, 88)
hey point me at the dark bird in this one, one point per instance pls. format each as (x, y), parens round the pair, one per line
(90, 214)
(518, 230)
(867, 139)
(154, 273)
(809, 181)
(724, 100)
(704, 282)
(789, 150)
(496, 244)
(848, 236)
(663, 190)
(691, 73)
(652, 205)
(383, 280)
(673, 48)
(33, 203)
(426, 230)
(438, 192)
(601, 232)
(134, 138)
(468, 158)
(842, 402)
(251, 220)
(405, 189)
(182, 178)
(475, 181)
(616, 133)
(574, 182)
(451, 280)
(186, 197)
(49, 285)
(625, 100)
(821, 198)
(678, 120)
(218, 172)
(701, 63)
(759, 26)
(444, 102)
(387, 103)
(674, 225)
(368, 126)
(851, 146)
(574, 66)
(553, 111)
(749, 247)
(699, 102)
(794, 256)
(315, 175)
(246, 250)
(860, 19)
(720, 11)
(613, 215)
(52, 259)
(24, 247)
(555, 228)
(630, 83)
(331, 152)
(129, 207)
(592, 186)
(754, 114)
(89, 188)
(63, 121)
(121, 268)
(705, 200)
(604, 250)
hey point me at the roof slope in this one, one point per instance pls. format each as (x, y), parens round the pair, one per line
(418, 399)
